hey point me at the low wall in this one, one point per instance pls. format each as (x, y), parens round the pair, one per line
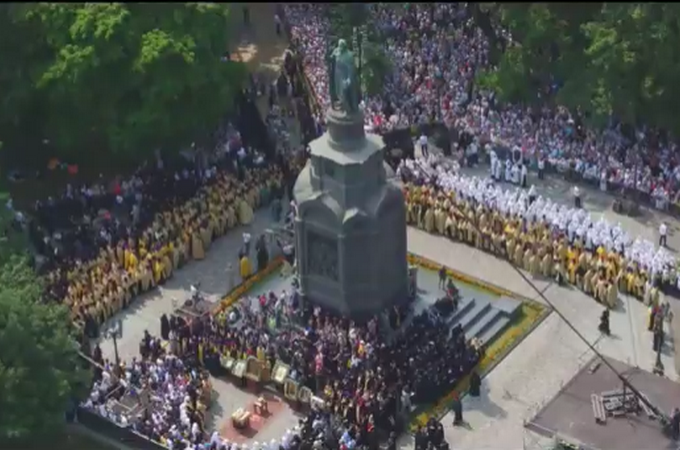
(616, 190)
(127, 435)
(115, 432)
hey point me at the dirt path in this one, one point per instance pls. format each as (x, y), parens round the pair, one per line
(257, 45)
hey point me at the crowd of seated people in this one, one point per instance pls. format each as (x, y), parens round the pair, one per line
(436, 50)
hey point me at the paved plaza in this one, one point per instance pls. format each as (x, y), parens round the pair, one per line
(513, 392)
(519, 386)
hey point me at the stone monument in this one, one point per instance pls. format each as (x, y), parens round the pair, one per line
(351, 220)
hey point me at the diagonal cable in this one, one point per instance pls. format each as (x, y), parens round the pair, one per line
(662, 416)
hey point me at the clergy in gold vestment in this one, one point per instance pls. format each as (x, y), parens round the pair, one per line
(518, 256)
(197, 251)
(429, 220)
(231, 216)
(440, 220)
(612, 295)
(245, 212)
(534, 265)
(206, 236)
(244, 267)
(546, 265)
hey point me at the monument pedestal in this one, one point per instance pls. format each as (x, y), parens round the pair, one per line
(351, 223)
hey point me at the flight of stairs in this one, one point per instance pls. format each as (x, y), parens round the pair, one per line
(484, 319)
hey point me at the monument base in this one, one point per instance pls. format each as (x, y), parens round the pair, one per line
(359, 315)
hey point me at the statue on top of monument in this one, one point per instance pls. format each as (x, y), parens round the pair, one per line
(344, 86)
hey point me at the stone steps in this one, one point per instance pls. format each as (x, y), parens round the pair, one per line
(484, 319)
(484, 323)
(464, 305)
(478, 313)
(496, 329)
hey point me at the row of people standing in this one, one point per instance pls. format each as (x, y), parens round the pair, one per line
(532, 245)
(98, 289)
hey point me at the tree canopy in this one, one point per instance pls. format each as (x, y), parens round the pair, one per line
(124, 78)
(604, 58)
(40, 371)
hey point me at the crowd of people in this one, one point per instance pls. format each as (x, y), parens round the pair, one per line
(98, 245)
(436, 49)
(368, 377)
(97, 279)
(542, 236)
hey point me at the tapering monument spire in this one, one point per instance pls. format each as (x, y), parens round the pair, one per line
(351, 221)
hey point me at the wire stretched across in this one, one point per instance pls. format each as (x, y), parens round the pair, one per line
(664, 419)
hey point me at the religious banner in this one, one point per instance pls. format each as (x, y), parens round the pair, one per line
(305, 394)
(253, 369)
(239, 369)
(317, 403)
(227, 362)
(290, 389)
(280, 372)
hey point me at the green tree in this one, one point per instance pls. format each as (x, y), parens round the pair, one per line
(610, 58)
(21, 107)
(124, 78)
(40, 371)
(375, 67)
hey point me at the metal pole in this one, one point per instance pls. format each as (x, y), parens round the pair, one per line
(360, 44)
(658, 365)
(115, 351)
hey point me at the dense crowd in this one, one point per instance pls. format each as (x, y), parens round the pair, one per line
(542, 236)
(369, 376)
(436, 49)
(100, 244)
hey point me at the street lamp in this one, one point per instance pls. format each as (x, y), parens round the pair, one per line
(658, 365)
(115, 332)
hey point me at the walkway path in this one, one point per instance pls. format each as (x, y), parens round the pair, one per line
(257, 45)
(599, 203)
(261, 49)
(212, 273)
(520, 384)
(534, 372)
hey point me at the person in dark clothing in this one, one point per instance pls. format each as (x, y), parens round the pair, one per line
(442, 277)
(165, 327)
(604, 323)
(246, 15)
(475, 384)
(658, 337)
(262, 254)
(421, 439)
(675, 424)
(457, 408)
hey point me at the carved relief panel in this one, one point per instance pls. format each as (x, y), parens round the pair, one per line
(322, 256)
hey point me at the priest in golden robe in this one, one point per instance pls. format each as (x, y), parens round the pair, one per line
(245, 268)
(197, 251)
